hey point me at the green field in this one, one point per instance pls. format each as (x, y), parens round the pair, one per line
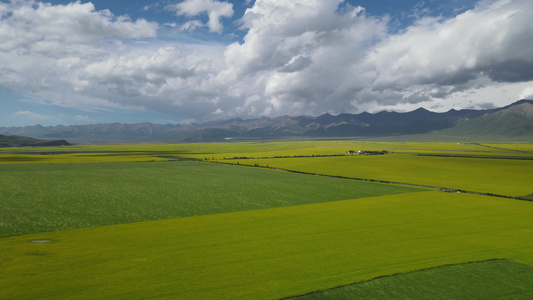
(267, 254)
(149, 152)
(492, 279)
(46, 197)
(500, 176)
(143, 223)
(485, 168)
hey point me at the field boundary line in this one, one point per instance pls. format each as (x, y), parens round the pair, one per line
(499, 148)
(443, 189)
(474, 156)
(395, 274)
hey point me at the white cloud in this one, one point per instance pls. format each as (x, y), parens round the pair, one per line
(44, 46)
(297, 57)
(312, 57)
(527, 93)
(32, 116)
(215, 10)
(301, 55)
(191, 25)
(187, 26)
(81, 118)
(491, 40)
(29, 24)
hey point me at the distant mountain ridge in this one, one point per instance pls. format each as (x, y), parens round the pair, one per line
(514, 119)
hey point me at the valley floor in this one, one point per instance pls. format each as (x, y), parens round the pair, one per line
(193, 229)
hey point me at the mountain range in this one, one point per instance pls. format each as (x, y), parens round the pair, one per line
(510, 123)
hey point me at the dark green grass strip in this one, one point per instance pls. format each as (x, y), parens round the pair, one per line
(492, 279)
(46, 197)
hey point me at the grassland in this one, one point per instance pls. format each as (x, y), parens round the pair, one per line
(225, 231)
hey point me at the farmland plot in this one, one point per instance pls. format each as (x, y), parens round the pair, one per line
(46, 197)
(492, 279)
(228, 232)
(500, 176)
(267, 254)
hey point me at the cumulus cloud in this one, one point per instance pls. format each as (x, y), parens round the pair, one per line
(215, 10)
(170, 78)
(489, 41)
(302, 55)
(297, 57)
(314, 57)
(44, 45)
(36, 25)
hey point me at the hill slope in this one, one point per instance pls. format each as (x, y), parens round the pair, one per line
(22, 141)
(514, 121)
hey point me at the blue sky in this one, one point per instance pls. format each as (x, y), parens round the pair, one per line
(177, 61)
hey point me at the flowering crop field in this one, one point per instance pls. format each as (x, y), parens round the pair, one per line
(162, 152)
(144, 222)
(513, 177)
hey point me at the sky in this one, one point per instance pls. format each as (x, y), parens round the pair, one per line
(182, 61)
